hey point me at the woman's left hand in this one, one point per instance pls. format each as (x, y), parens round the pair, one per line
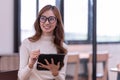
(52, 67)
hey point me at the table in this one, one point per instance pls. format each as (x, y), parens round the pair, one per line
(116, 70)
(81, 55)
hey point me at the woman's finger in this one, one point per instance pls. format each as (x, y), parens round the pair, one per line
(58, 63)
(41, 65)
(46, 61)
(52, 60)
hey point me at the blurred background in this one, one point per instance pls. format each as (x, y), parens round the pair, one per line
(17, 18)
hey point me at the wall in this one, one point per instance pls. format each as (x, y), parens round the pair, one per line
(6, 26)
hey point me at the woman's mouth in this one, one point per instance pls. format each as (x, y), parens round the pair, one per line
(47, 27)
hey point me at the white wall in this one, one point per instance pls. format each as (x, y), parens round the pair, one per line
(6, 26)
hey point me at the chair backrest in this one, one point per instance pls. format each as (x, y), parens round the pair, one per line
(9, 75)
(76, 61)
(101, 58)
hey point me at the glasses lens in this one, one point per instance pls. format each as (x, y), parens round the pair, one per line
(43, 19)
(51, 19)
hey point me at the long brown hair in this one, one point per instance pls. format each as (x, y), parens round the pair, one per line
(58, 31)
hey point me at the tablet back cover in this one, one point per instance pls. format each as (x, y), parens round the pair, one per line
(56, 57)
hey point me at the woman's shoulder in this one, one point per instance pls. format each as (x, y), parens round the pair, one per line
(26, 41)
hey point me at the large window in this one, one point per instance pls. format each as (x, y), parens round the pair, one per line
(77, 19)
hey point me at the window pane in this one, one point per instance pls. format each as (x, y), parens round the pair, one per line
(28, 15)
(42, 3)
(76, 19)
(108, 17)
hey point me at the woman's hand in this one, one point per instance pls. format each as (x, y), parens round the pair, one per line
(52, 67)
(33, 58)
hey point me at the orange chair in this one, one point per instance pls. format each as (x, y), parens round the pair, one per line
(74, 59)
(101, 58)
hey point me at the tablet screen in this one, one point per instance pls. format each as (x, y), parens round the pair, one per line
(56, 57)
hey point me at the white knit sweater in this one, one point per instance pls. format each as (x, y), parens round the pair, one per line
(46, 46)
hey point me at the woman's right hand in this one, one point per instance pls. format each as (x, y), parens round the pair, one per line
(33, 58)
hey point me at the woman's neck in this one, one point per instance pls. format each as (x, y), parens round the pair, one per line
(47, 34)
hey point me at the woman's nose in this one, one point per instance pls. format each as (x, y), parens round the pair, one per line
(47, 22)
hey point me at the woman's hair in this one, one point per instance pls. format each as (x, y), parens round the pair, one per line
(58, 31)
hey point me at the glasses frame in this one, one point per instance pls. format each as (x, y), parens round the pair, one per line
(48, 18)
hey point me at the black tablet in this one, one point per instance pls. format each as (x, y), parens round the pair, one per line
(56, 57)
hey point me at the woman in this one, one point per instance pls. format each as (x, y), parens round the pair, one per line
(48, 38)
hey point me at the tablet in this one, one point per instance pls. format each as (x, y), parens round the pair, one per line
(56, 57)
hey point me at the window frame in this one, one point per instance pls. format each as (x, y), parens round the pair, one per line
(17, 31)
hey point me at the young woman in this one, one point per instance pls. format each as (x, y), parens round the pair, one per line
(48, 38)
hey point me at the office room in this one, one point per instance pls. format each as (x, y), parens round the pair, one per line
(91, 28)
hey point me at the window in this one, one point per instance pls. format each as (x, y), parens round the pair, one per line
(28, 15)
(42, 3)
(108, 24)
(76, 20)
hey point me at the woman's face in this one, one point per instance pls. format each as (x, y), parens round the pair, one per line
(48, 22)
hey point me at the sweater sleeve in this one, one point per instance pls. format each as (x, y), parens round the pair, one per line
(24, 71)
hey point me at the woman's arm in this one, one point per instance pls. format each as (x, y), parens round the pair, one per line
(24, 70)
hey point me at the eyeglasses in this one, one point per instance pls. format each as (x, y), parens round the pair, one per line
(50, 19)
